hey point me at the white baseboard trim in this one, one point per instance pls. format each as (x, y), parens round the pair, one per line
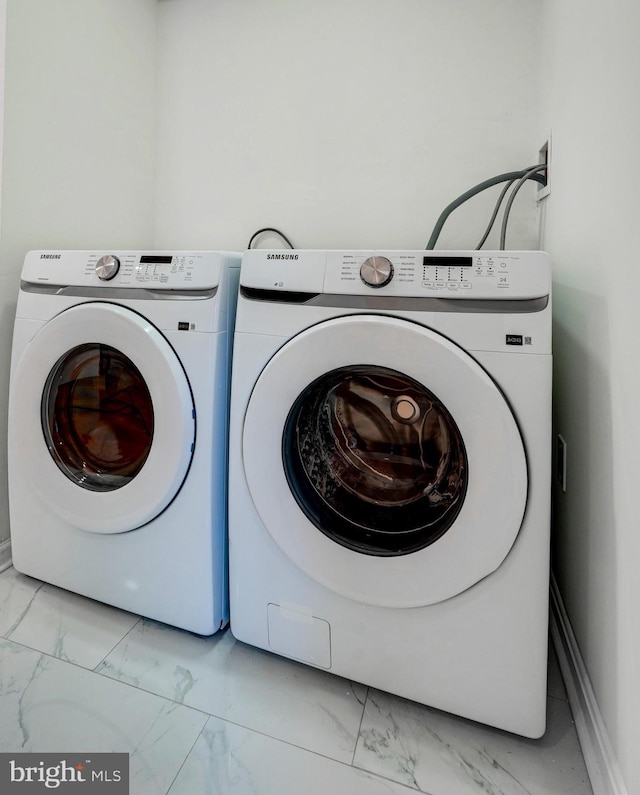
(599, 756)
(5, 555)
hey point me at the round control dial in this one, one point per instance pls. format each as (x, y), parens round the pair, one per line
(107, 267)
(376, 271)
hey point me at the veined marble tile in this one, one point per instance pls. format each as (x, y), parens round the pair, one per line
(49, 705)
(231, 760)
(16, 595)
(443, 755)
(59, 622)
(287, 700)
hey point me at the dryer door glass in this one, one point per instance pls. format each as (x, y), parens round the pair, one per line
(97, 417)
(375, 460)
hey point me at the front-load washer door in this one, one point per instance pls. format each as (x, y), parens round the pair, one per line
(106, 418)
(384, 461)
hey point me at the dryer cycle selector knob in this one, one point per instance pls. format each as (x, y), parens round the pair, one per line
(376, 271)
(107, 267)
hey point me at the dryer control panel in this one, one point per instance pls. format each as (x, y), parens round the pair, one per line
(151, 270)
(513, 275)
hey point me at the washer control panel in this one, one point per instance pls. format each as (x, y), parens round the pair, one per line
(462, 273)
(495, 274)
(513, 275)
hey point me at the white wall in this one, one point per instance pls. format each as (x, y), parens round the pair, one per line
(345, 124)
(79, 141)
(590, 81)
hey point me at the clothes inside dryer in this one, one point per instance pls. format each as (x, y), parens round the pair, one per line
(97, 417)
(375, 460)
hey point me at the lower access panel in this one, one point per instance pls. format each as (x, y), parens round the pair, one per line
(299, 635)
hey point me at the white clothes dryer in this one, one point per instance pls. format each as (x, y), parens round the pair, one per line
(118, 417)
(390, 472)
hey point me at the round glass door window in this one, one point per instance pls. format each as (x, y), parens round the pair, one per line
(97, 417)
(375, 460)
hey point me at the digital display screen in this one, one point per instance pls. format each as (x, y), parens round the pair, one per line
(448, 262)
(154, 259)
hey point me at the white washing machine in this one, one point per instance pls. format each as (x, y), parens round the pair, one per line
(118, 414)
(390, 472)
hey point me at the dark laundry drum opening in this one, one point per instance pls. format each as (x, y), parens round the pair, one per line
(97, 417)
(375, 460)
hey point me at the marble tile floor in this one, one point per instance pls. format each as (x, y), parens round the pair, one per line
(212, 716)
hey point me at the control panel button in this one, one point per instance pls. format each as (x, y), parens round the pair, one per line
(107, 267)
(376, 271)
